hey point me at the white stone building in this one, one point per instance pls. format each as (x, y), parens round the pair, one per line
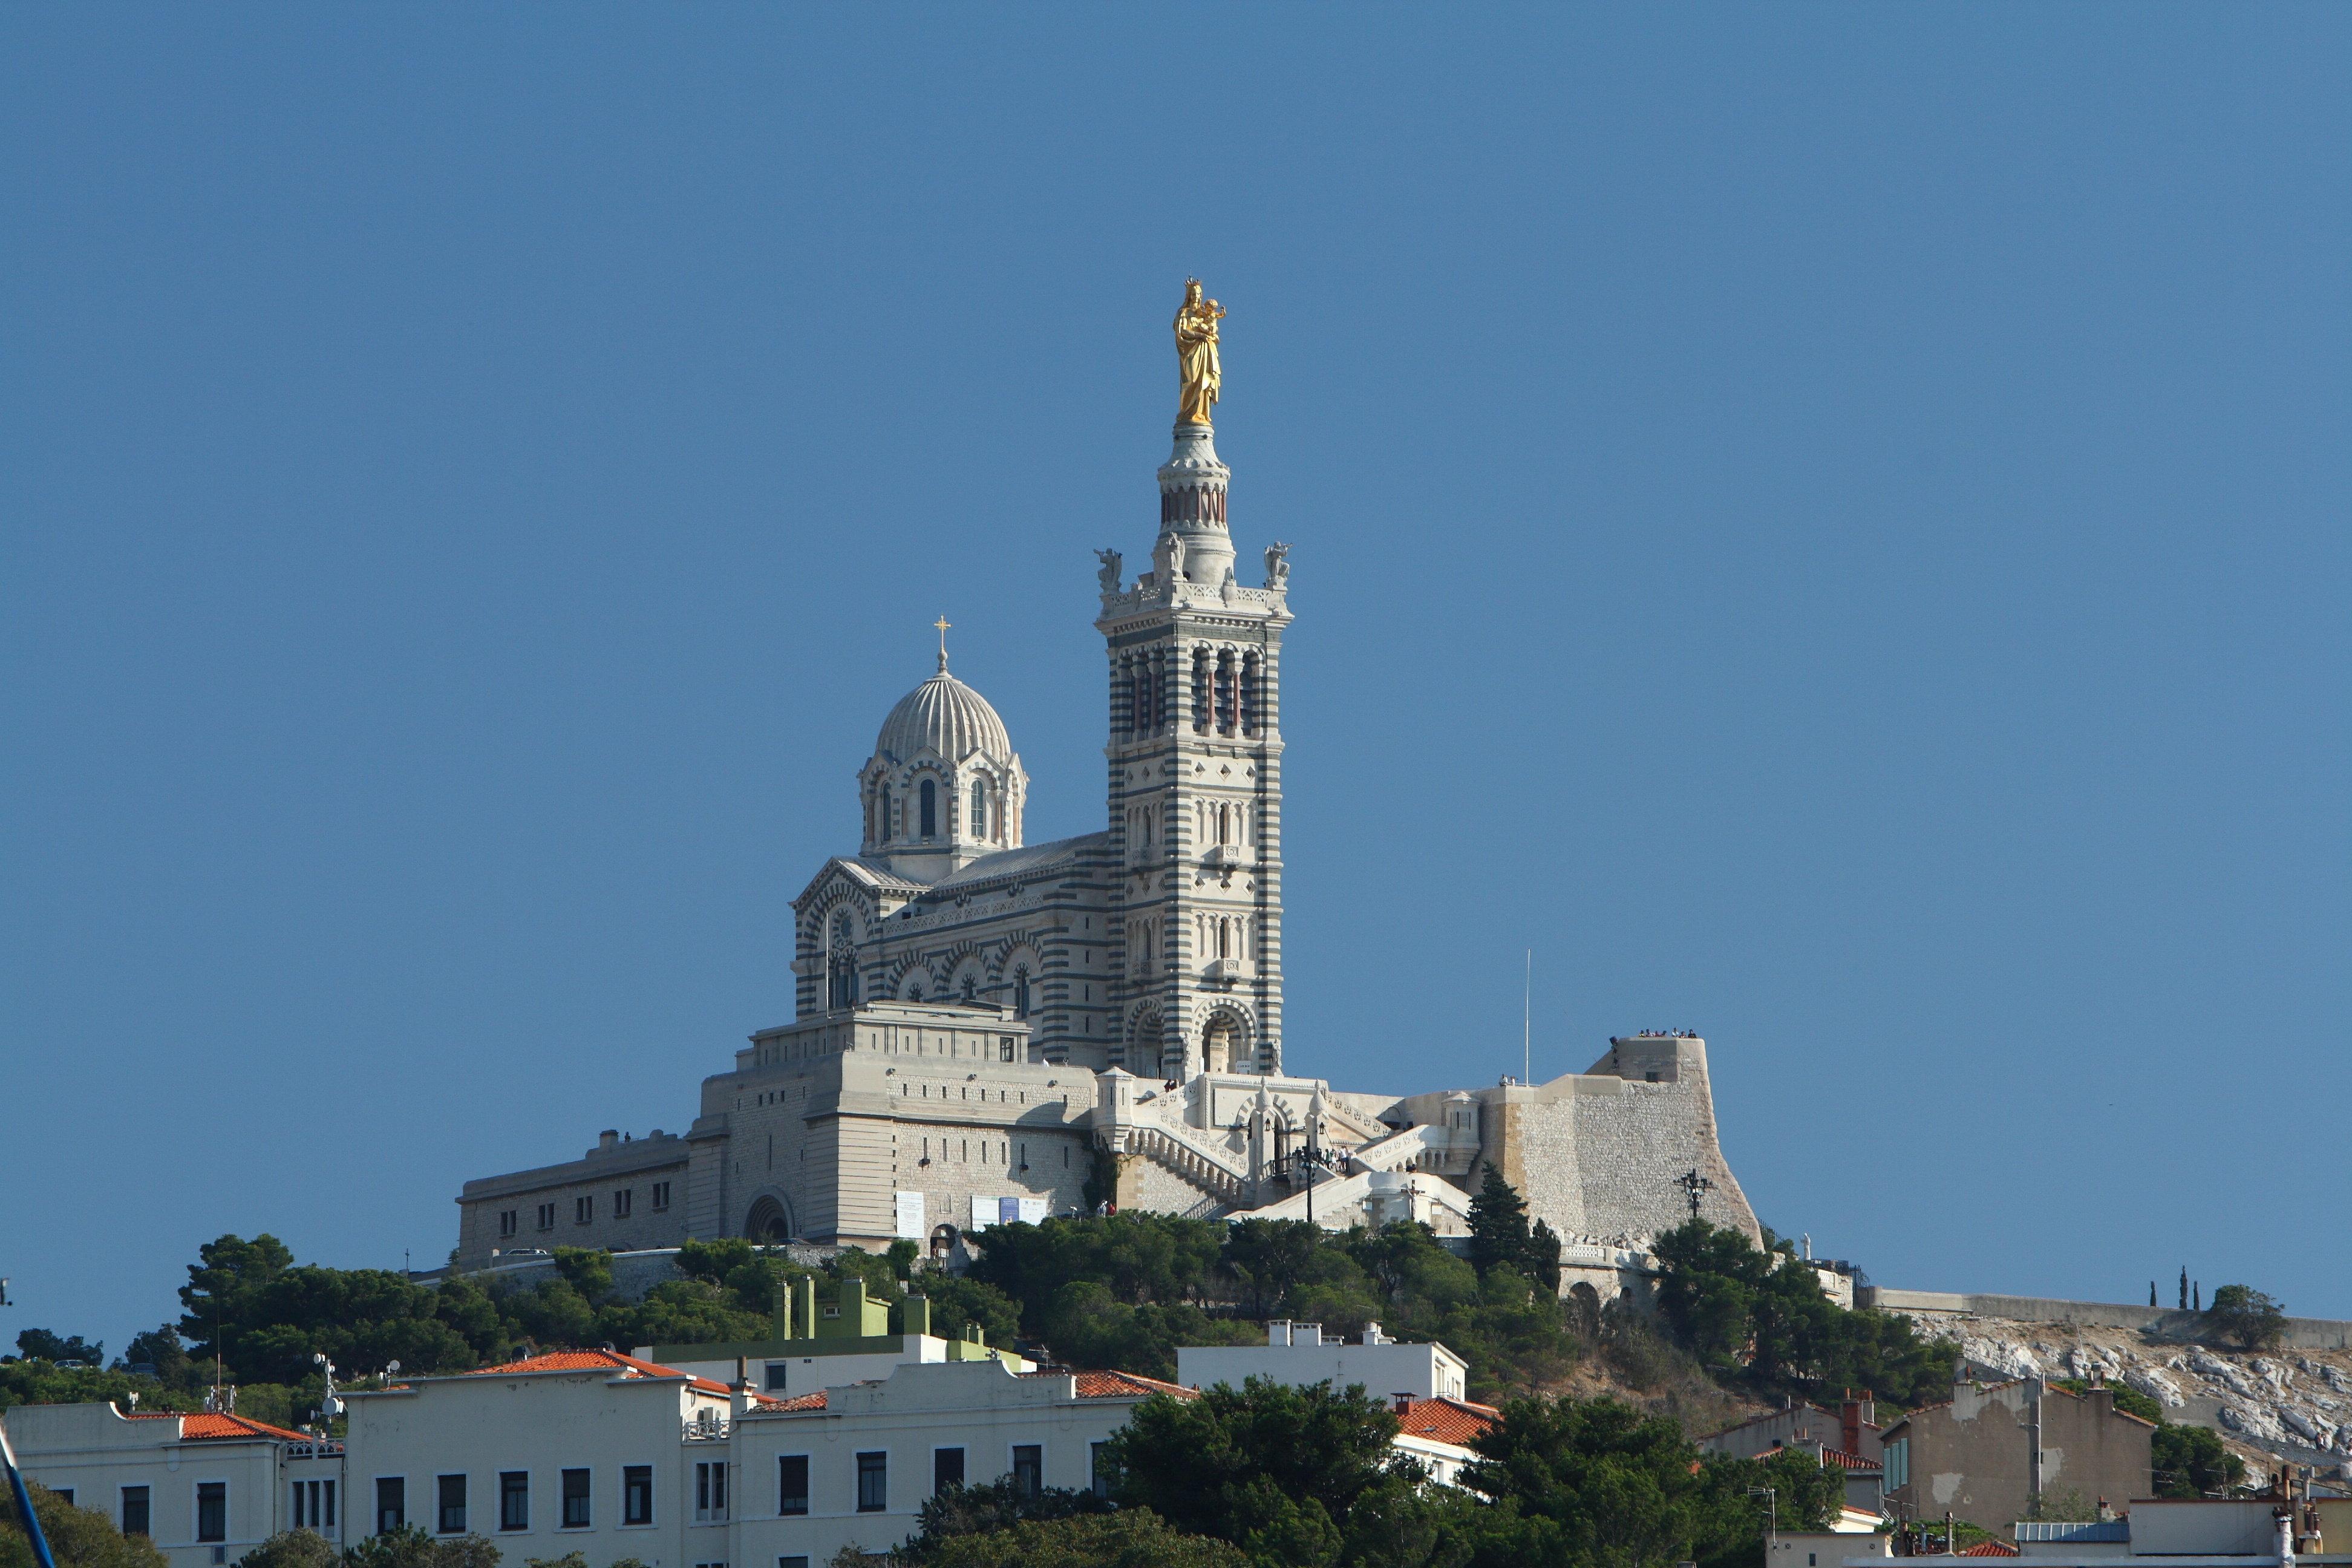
(1301, 1355)
(204, 1487)
(980, 1020)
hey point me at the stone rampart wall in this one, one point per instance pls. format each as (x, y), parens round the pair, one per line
(2163, 1322)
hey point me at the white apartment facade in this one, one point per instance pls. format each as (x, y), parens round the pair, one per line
(1301, 1355)
(205, 1488)
(615, 1457)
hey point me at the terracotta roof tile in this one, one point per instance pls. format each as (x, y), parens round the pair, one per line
(1456, 1421)
(1840, 1459)
(595, 1361)
(799, 1402)
(1121, 1385)
(1989, 1549)
(207, 1426)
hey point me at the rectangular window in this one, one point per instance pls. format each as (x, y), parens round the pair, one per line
(64, 1495)
(391, 1504)
(637, 1494)
(947, 1469)
(547, 1216)
(1098, 1476)
(582, 1210)
(873, 1482)
(327, 1498)
(134, 1511)
(514, 1499)
(623, 1202)
(507, 1222)
(775, 1378)
(711, 1492)
(575, 1500)
(450, 1517)
(301, 1508)
(792, 1484)
(1028, 1469)
(792, 1563)
(212, 1510)
(661, 1195)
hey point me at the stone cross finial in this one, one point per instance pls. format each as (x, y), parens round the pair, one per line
(943, 622)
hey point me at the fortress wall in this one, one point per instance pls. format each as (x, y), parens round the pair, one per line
(1599, 1153)
(984, 1161)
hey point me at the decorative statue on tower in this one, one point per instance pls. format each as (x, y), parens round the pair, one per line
(1200, 373)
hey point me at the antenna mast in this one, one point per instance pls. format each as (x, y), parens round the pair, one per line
(1527, 1022)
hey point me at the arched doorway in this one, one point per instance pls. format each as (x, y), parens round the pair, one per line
(769, 1222)
(1224, 1043)
(943, 1240)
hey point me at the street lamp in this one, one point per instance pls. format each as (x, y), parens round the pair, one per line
(1772, 1513)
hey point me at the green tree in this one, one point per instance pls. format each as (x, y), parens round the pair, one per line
(411, 1547)
(1596, 1482)
(45, 1383)
(1758, 1319)
(1270, 1258)
(77, 1537)
(161, 1349)
(2190, 1462)
(292, 1549)
(1498, 1225)
(41, 1344)
(1272, 1469)
(587, 1270)
(999, 1505)
(1131, 1538)
(958, 1301)
(2245, 1317)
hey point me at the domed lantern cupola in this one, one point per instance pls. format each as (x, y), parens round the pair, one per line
(944, 785)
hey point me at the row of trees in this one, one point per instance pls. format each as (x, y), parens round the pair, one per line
(1758, 1322)
(1271, 1477)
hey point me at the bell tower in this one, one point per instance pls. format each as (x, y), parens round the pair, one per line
(1195, 777)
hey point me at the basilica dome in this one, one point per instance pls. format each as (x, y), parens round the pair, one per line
(949, 718)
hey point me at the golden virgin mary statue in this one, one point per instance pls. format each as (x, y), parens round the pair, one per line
(1199, 371)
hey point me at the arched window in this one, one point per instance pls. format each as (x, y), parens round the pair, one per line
(1020, 993)
(1201, 691)
(882, 834)
(931, 809)
(979, 809)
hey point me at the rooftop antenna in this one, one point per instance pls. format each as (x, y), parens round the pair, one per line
(1526, 1021)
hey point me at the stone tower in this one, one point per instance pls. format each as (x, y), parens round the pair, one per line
(1195, 774)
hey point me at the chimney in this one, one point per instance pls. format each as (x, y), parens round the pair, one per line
(738, 1396)
(1404, 1403)
(1850, 1420)
(608, 1139)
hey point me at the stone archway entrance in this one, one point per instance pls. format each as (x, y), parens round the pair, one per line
(769, 1222)
(1224, 1044)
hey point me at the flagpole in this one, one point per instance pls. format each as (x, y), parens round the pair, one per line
(1527, 1022)
(25, 1502)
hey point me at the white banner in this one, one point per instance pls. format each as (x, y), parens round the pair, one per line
(1033, 1210)
(983, 1212)
(910, 1216)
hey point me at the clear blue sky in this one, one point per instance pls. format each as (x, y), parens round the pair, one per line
(1830, 525)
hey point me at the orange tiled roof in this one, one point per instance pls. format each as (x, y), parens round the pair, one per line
(1123, 1385)
(595, 1361)
(1456, 1421)
(1846, 1461)
(799, 1402)
(206, 1426)
(1988, 1549)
